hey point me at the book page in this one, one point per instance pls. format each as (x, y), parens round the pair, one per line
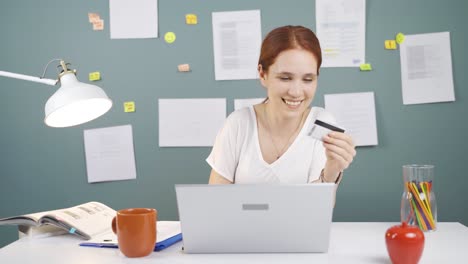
(26, 219)
(91, 218)
(20, 220)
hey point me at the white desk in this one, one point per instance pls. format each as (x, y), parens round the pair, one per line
(350, 243)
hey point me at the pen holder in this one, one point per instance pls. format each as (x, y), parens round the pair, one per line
(418, 203)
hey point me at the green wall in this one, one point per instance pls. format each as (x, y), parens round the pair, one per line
(43, 168)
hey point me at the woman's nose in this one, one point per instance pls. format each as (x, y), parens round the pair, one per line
(295, 90)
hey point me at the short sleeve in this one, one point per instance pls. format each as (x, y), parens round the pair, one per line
(224, 156)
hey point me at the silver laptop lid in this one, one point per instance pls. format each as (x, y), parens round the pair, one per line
(255, 218)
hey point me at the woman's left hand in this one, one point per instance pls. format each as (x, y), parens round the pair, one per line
(340, 152)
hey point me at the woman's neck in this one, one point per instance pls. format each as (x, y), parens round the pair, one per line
(282, 125)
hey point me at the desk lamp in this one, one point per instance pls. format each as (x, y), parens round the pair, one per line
(74, 103)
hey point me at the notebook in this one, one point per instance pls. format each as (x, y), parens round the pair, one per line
(242, 218)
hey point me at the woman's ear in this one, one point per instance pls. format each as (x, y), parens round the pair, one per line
(261, 74)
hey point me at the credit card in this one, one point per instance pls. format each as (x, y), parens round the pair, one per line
(321, 129)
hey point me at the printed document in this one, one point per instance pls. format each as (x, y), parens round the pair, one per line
(426, 68)
(356, 113)
(237, 39)
(190, 122)
(110, 154)
(241, 103)
(341, 29)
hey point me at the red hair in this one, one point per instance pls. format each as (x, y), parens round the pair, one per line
(286, 38)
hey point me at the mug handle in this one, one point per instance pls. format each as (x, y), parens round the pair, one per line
(114, 227)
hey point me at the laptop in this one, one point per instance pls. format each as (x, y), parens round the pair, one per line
(260, 218)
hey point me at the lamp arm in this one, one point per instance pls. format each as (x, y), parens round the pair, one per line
(28, 78)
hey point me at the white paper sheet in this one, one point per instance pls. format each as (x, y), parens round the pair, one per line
(241, 103)
(133, 19)
(190, 122)
(341, 29)
(355, 112)
(237, 39)
(110, 154)
(426, 68)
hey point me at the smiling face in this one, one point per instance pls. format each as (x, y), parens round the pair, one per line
(291, 82)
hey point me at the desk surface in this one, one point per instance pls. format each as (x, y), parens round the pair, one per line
(349, 243)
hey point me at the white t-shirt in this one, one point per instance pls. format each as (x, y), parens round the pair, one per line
(236, 153)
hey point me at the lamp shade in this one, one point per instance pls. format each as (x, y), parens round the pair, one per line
(75, 103)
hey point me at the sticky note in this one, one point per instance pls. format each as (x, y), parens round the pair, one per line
(169, 37)
(98, 25)
(400, 37)
(93, 17)
(390, 44)
(365, 67)
(72, 230)
(129, 107)
(94, 76)
(191, 19)
(183, 67)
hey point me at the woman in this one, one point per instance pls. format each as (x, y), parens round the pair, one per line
(269, 142)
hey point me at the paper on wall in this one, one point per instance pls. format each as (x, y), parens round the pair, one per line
(341, 29)
(133, 19)
(190, 122)
(241, 103)
(109, 154)
(426, 68)
(356, 113)
(236, 41)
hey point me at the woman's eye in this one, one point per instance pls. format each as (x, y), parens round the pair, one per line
(308, 80)
(284, 78)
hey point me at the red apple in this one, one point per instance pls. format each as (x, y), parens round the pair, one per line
(405, 243)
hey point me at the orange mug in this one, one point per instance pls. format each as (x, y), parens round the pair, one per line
(136, 231)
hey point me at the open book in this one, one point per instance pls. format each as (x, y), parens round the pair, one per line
(91, 221)
(87, 220)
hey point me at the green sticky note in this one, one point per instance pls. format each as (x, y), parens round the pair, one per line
(365, 67)
(400, 37)
(169, 37)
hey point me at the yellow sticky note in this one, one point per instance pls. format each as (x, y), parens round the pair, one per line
(94, 76)
(169, 37)
(390, 44)
(365, 67)
(400, 37)
(129, 107)
(191, 19)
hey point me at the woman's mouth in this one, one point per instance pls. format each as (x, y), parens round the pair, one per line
(293, 103)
